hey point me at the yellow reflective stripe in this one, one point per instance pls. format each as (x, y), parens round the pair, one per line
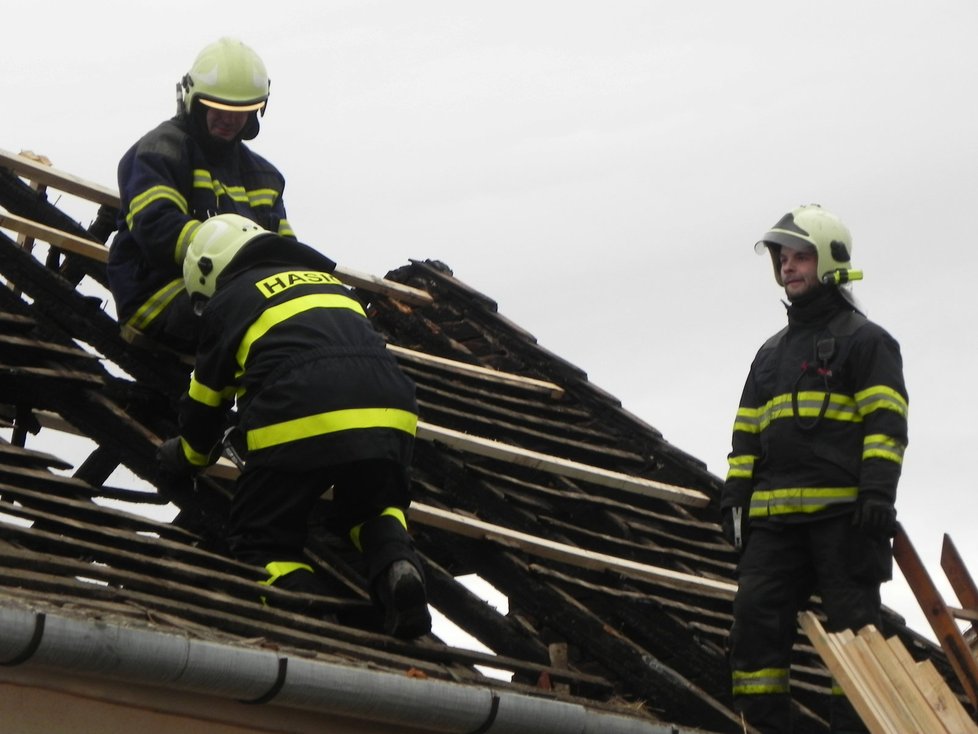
(237, 193)
(741, 467)
(840, 407)
(183, 240)
(765, 503)
(202, 179)
(155, 193)
(278, 569)
(881, 397)
(155, 304)
(754, 682)
(285, 229)
(748, 420)
(194, 457)
(396, 512)
(262, 197)
(253, 198)
(284, 311)
(881, 446)
(213, 398)
(332, 421)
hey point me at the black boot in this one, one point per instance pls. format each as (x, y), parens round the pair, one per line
(395, 576)
(402, 594)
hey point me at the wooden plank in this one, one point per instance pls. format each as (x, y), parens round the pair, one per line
(452, 522)
(970, 615)
(96, 251)
(390, 288)
(847, 674)
(888, 698)
(58, 179)
(924, 716)
(933, 688)
(46, 418)
(473, 528)
(937, 613)
(562, 467)
(59, 238)
(962, 583)
(497, 376)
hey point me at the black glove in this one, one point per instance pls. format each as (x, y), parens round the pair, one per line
(173, 461)
(736, 526)
(875, 515)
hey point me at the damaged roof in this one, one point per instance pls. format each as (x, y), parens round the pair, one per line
(601, 534)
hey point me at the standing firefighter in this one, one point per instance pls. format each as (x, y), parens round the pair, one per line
(186, 169)
(321, 402)
(816, 456)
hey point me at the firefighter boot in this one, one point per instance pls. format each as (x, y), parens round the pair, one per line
(394, 574)
(402, 594)
(301, 578)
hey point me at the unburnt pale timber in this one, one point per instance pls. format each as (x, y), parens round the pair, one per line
(562, 467)
(60, 239)
(934, 689)
(850, 675)
(890, 692)
(938, 615)
(472, 528)
(95, 251)
(903, 682)
(458, 524)
(58, 179)
(503, 378)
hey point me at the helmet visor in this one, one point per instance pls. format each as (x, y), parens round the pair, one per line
(782, 239)
(246, 107)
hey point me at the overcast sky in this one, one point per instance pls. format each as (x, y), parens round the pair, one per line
(600, 169)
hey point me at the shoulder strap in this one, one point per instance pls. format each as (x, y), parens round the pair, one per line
(774, 340)
(847, 323)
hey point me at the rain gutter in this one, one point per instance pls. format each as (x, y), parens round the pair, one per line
(166, 660)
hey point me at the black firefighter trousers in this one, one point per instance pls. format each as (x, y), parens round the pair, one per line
(782, 566)
(271, 508)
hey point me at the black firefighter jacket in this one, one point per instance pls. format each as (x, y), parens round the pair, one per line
(822, 418)
(171, 180)
(315, 385)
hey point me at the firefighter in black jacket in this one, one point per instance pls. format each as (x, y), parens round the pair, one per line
(817, 452)
(320, 402)
(188, 168)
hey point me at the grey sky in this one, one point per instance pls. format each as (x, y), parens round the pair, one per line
(600, 169)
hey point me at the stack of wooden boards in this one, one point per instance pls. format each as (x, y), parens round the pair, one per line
(892, 693)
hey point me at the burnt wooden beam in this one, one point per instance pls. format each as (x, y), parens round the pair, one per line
(638, 674)
(55, 300)
(474, 615)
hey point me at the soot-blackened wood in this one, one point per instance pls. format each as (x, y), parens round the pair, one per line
(56, 301)
(636, 672)
(478, 618)
(98, 466)
(19, 456)
(19, 198)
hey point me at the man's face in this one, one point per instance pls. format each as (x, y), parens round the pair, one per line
(224, 124)
(799, 271)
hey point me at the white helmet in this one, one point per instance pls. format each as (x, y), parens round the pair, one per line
(811, 226)
(216, 241)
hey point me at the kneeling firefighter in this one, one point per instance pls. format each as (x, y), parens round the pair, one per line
(320, 403)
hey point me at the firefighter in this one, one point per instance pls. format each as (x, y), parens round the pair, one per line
(320, 403)
(817, 451)
(190, 167)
